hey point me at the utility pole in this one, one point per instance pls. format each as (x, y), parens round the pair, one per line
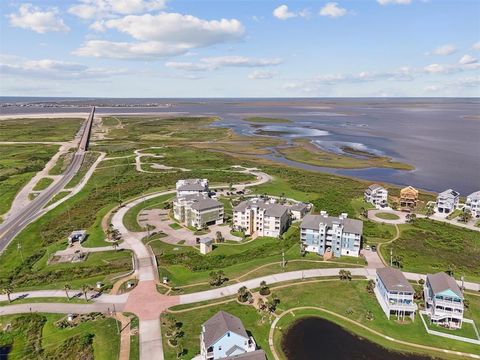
(19, 248)
(116, 321)
(391, 257)
(283, 259)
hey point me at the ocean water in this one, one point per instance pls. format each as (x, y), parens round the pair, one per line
(440, 137)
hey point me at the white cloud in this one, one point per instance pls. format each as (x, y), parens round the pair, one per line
(261, 75)
(53, 69)
(90, 9)
(431, 88)
(435, 69)
(164, 34)
(476, 46)
(214, 63)
(33, 18)
(396, 2)
(332, 9)
(467, 59)
(444, 50)
(282, 13)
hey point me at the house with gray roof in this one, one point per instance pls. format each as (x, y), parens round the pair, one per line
(328, 235)
(223, 336)
(191, 187)
(376, 195)
(447, 201)
(198, 210)
(443, 300)
(472, 204)
(394, 293)
(258, 217)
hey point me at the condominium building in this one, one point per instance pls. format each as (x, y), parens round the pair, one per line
(447, 201)
(376, 195)
(408, 198)
(394, 293)
(223, 336)
(324, 234)
(257, 217)
(197, 210)
(472, 204)
(443, 300)
(191, 187)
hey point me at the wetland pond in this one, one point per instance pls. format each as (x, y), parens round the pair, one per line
(314, 338)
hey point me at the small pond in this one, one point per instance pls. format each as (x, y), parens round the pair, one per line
(315, 338)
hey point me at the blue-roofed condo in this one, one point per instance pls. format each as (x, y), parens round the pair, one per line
(328, 235)
(443, 300)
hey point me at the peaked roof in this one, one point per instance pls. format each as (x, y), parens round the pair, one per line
(219, 324)
(275, 210)
(349, 225)
(252, 355)
(448, 193)
(440, 282)
(474, 196)
(409, 189)
(374, 187)
(394, 280)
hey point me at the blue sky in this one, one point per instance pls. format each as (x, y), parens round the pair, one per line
(195, 48)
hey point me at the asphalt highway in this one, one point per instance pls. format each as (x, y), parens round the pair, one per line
(19, 220)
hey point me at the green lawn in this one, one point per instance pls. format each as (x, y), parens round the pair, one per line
(429, 246)
(347, 295)
(18, 164)
(387, 216)
(62, 163)
(37, 336)
(42, 184)
(41, 129)
(467, 329)
(175, 226)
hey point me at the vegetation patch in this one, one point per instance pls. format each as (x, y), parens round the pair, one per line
(42, 184)
(387, 216)
(41, 129)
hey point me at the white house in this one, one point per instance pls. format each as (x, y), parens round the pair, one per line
(376, 195)
(224, 337)
(443, 300)
(206, 245)
(323, 234)
(394, 293)
(473, 204)
(197, 210)
(299, 210)
(191, 186)
(261, 218)
(447, 201)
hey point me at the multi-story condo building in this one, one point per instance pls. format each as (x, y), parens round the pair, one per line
(197, 210)
(472, 204)
(447, 201)
(443, 300)
(223, 336)
(191, 186)
(257, 217)
(408, 198)
(322, 234)
(376, 195)
(394, 293)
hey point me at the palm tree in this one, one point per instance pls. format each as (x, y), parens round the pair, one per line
(345, 275)
(67, 287)
(115, 245)
(7, 291)
(85, 289)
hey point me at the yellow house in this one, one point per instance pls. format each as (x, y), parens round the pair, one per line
(408, 198)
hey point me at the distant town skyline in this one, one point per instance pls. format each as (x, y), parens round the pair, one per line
(160, 48)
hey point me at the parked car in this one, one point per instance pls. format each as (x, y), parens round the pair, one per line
(374, 248)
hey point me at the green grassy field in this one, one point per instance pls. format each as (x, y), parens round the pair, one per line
(62, 163)
(429, 246)
(387, 216)
(88, 160)
(42, 184)
(36, 336)
(41, 129)
(130, 218)
(18, 164)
